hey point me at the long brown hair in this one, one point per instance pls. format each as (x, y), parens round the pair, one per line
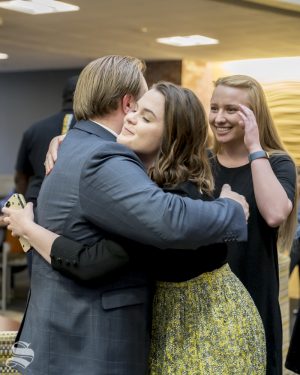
(183, 152)
(269, 140)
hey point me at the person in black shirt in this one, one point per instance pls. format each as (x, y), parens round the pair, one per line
(249, 155)
(30, 170)
(204, 320)
(293, 356)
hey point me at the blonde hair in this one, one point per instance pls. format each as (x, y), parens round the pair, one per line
(269, 139)
(183, 152)
(103, 82)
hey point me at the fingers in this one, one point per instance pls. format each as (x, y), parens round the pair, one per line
(50, 160)
(29, 205)
(60, 138)
(246, 113)
(6, 217)
(228, 193)
(249, 124)
(6, 222)
(6, 211)
(51, 155)
(246, 110)
(242, 200)
(246, 210)
(226, 187)
(48, 166)
(17, 215)
(16, 219)
(3, 224)
(9, 227)
(245, 206)
(28, 210)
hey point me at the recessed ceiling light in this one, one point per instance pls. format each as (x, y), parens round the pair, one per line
(38, 6)
(3, 56)
(293, 5)
(266, 70)
(297, 2)
(187, 41)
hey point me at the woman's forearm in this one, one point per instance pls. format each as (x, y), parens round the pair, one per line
(271, 198)
(40, 239)
(88, 262)
(21, 223)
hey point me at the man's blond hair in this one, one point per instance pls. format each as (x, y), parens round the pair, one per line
(103, 82)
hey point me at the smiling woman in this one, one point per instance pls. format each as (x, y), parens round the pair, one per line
(245, 136)
(225, 117)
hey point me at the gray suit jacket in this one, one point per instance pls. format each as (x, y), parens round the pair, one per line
(98, 186)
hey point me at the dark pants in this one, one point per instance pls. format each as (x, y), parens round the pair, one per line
(295, 255)
(293, 356)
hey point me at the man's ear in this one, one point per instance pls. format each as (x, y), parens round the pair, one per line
(127, 103)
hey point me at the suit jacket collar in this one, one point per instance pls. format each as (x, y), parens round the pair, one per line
(93, 128)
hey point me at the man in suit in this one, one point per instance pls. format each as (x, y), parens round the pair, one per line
(98, 186)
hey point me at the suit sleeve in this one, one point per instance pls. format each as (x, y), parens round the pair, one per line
(117, 195)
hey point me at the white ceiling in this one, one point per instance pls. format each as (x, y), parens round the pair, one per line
(70, 40)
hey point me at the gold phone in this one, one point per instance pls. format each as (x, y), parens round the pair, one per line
(17, 201)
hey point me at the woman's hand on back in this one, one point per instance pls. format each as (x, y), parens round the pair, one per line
(51, 155)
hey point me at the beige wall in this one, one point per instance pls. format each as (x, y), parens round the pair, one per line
(284, 101)
(198, 76)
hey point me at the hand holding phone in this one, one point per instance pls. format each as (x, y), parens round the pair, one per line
(17, 201)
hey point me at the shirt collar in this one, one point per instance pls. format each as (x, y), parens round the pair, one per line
(106, 128)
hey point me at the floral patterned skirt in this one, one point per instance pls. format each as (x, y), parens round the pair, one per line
(7, 340)
(208, 325)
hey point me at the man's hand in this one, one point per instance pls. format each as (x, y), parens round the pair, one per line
(226, 192)
(51, 156)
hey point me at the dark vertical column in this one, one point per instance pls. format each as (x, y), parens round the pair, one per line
(169, 70)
